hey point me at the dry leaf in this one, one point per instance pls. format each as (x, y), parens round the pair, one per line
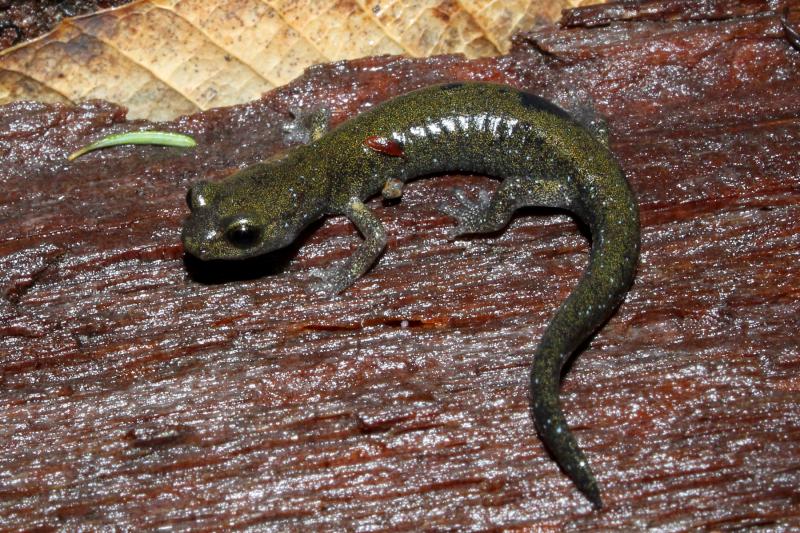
(162, 58)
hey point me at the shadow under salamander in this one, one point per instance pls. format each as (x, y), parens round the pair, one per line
(217, 272)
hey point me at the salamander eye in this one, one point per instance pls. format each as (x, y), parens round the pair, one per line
(242, 234)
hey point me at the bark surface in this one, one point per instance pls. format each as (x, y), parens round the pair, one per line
(143, 389)
(23, 20)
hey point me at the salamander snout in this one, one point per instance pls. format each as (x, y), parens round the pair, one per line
(199, 195)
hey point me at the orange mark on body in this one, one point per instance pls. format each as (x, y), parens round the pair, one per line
(386, 146)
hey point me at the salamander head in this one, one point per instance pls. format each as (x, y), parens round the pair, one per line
(244, 215)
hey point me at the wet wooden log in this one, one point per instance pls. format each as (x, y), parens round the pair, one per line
(144, 390)
(23, 20)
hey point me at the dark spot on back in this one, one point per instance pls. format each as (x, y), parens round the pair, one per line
(531, 101)
(451, 86)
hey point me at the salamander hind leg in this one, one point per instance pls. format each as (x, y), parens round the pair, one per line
(492, 213)
(472, 216)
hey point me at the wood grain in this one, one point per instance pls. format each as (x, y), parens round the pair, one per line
(143, 390)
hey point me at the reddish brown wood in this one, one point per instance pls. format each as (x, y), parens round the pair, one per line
(23, 20)
(142, 390)
(662, 10)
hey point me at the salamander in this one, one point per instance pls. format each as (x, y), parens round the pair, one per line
(542, 156)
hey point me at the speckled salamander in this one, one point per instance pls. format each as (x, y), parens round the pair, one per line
(542, 155)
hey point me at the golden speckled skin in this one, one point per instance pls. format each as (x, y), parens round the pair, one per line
(543, 157)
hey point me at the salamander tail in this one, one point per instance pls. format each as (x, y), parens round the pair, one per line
(612, 261)
(558, 439)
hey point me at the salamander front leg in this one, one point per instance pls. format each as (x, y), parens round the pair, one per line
(307, 126)
(337, 279)
(489, 214)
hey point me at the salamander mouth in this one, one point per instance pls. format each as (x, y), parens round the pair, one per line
(202, 239)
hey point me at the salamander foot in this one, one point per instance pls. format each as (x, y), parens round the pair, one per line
(471, 215)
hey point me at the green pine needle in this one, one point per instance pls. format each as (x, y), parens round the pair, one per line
(160, 138)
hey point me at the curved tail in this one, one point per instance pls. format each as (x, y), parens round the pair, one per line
(612, 264)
